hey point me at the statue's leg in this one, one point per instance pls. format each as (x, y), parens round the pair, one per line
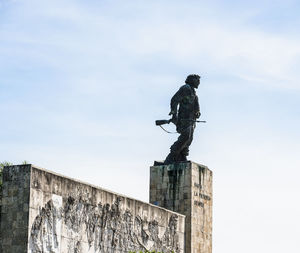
(185, 150)
(184, 138)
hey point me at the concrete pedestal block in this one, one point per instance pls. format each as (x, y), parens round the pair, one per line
(186, 188)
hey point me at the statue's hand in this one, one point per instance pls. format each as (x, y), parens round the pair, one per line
(172, 113)
(174, 119)
(197, 115)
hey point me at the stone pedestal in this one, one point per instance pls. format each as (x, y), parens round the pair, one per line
(186, 188)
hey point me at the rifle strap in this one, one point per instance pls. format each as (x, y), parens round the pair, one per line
(168, 131)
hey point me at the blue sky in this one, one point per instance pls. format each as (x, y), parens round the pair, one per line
(82, 82)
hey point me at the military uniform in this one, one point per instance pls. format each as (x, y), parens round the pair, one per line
(189, 111)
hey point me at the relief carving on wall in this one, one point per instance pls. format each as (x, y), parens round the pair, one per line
(106, 228)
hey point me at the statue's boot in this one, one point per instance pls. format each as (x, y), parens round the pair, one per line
(182, 158)
(171, 158)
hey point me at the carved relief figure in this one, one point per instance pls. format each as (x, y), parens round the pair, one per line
(106, 228)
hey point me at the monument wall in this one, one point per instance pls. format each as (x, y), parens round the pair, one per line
(15, 208)
(46, 212)
(186, 188)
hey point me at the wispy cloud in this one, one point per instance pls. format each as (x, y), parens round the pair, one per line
(72, 37)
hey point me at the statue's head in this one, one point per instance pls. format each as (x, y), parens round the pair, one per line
(193, 80)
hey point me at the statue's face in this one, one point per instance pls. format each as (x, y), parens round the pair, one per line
(196, 82)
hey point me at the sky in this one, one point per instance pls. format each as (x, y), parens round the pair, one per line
(82, 82)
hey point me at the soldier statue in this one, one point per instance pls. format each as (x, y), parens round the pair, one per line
(184, 118)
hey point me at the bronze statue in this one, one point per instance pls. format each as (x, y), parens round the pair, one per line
(184, 117)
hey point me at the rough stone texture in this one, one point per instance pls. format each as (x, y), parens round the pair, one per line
(186, 188)
(15, 211)
(0, 205)
(62, 215)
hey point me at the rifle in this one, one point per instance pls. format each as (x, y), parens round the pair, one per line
(162, 122)
(168, 121)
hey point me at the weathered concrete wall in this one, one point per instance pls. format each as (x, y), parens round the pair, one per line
(68, 216)
(186, 188)
(0, 215)
(15, 208)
